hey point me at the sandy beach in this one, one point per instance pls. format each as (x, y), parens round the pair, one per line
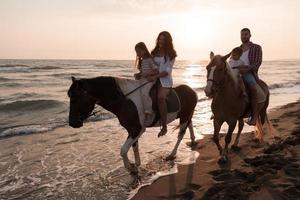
(258, 171)
(70, 164)
(64, 62)
(41, 157)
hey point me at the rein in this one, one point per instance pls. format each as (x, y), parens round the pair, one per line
(220, 84)
(132, 91)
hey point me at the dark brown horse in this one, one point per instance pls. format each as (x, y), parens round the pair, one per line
(227, 103)
(107, 92)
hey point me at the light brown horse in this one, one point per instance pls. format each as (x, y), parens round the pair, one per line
(227, 103)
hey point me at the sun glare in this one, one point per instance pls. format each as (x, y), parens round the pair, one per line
(194, 29)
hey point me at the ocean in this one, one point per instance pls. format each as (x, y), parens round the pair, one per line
(33, 100)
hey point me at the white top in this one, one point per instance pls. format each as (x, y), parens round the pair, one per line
(147, 66)
(163, 66)
(235, 63)
(245, 57)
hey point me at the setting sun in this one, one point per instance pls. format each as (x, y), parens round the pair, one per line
(194, 29)
(109, 29)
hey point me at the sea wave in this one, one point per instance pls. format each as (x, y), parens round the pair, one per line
(24, 130)
(29, 105)
(4, 79)
(45, 67)
(13, 65)
(284, 85)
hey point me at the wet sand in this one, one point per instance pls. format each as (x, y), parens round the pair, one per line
(269, 170)
(85, 163)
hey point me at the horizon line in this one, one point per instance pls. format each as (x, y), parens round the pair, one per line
(109, 59)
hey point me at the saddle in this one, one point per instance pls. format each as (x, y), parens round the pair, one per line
(261, 97)
(173, 102)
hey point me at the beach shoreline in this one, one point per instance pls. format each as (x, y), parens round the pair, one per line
(259, 171)
(74, 163)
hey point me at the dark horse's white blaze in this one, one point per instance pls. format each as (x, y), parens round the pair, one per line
(108, 93)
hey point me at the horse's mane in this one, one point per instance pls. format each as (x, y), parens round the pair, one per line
(231, 74)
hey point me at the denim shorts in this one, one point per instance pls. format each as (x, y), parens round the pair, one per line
(249, 79)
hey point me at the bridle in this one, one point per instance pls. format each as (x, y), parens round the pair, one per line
(217, 85)
(96, 101)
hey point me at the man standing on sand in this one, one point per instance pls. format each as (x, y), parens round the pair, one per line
(252, 57)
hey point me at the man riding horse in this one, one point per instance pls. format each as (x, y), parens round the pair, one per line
(252, 57)
(228, 105)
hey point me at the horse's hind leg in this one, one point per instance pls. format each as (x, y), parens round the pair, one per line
(192, 134)
(179, 138)
(217, 127)
(136, 152)
(237, 139)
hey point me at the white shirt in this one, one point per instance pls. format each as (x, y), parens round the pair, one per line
(163, 66)
(245, 57)
(147, 66)
(235, 63)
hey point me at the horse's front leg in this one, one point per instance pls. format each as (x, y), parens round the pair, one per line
(124, 150)
(132, 140)
(228, 137)
(217, 127)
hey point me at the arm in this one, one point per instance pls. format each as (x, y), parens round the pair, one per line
(151, 73)
(166, 69)
(244, 68)
(137, 76)
(257, 58)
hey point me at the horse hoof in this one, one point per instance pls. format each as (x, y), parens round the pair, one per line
(133, 170)
(223, 160)
(170, 157)
(193, 143)
(236, 148)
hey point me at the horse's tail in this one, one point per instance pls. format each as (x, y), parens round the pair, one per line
(263, 117)
(186, 91)
(259, 129)
(185, 125)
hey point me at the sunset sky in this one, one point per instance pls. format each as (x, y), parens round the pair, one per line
(109, 29)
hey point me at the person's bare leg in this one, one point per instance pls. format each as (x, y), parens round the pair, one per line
(254, 106)
(162, 105)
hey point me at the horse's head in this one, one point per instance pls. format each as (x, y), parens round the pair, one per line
(81, 102)
(216, 71)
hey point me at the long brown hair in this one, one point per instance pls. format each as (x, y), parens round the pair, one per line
(138, 60)
(168, 47)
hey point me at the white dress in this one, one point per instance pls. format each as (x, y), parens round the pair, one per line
(167, 66)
